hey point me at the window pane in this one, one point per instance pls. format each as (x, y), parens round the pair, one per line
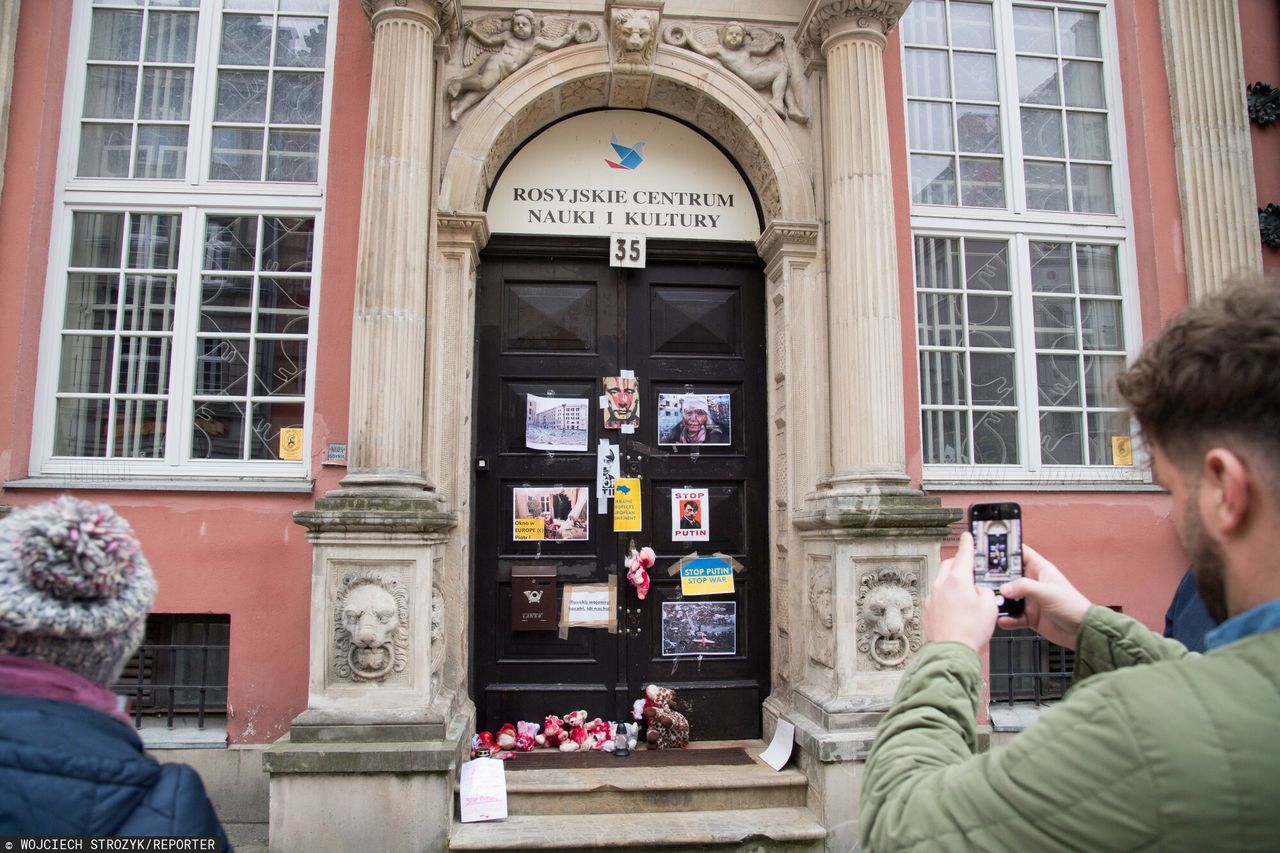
(80, 428)
(1087, 136)
(226, 304)
(294, 156)
(148, 303)
(287, 244)
(296, 98)
(1104, 429)
(1051, 268)
(1037, 81)
(223, 367)
(933, 180)
(1058, 380)
(1079, 33)
(1060, 439)
(979, 129)
(109, 91)
(1033, 30)
(943, 381)
(162, 152)
(153, 241)
(930, 126)
(242, 96)
(140, 429)
(144, 366)
(86, 364)
(300, 42)
(1100, 324)
(115, 35)
(284, 306)
(217, 431)
(249, 5)
(237, 154)
(281, 367)
(105, 150)
(171, 37)
(246, 40)
(1091, 189)
(992, 379)
(1082, 83)
(981, 183)
(971, 25)
(989, 323)
(943, 437)
(230, 243)
(927, 74)
(1096, 267)
(939, 321)
(91, 301)
(1055, 323)
(1099, 380)
(937, 262)
(166, 94)
(995, 438)
(975, 76)
(925, 22)
(1042, 133)
(1046, 185)
(317, 6)
(268, 420)
(987, 264)
(97, 239)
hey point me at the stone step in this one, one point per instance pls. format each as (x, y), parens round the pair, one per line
(769, 829)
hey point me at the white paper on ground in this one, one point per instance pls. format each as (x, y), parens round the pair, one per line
(483, 790)
(779, 750)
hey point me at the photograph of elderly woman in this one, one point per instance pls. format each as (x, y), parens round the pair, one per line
(694, 419)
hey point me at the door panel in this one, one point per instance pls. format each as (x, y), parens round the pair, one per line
(688, 323)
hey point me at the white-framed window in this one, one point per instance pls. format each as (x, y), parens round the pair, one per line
(1024, 273)
(179, 324)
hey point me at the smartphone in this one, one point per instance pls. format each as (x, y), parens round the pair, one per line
(997, 547)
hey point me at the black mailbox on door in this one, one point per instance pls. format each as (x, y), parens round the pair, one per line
(533, 598)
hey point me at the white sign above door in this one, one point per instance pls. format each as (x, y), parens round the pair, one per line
(612, 171)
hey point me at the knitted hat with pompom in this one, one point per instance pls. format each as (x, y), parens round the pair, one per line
(74, 587)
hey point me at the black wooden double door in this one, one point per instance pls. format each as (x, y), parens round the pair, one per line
(553, 319)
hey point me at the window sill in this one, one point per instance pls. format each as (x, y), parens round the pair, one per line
(1018, 716)
(169, 484)
(1037, 486)
(156, 734)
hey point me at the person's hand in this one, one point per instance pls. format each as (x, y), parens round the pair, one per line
(956, 610)
(1054, 608)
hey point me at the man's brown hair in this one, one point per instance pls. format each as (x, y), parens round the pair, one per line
(1213, 373)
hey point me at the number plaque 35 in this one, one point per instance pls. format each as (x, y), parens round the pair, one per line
(626, 250)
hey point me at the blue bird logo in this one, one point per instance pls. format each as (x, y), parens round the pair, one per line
(628, 157)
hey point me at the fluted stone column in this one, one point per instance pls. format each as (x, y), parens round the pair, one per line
(864, 323)
(389, 326)
(9, 13)
(1212, 147)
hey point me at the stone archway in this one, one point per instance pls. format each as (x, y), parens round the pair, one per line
(701, 93)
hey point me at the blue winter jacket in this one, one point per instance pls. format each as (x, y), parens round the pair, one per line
(70, 770)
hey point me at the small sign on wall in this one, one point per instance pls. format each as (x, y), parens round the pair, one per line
(291, 443)
(627, 250)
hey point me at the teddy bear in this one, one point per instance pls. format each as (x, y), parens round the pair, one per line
(667, 727)
(526, 736)
(553, 733)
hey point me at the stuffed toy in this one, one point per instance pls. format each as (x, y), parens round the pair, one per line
(526, 736)
(553, 733)
(638, 563)
(667, 727)
(506, 737)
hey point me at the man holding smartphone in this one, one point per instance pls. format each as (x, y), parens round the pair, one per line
(1154, 748)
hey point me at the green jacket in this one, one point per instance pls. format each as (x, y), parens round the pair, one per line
(1181, 753)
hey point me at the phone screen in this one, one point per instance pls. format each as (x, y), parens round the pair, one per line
(997, 542)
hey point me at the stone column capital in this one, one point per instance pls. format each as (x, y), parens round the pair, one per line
(439, 15)
(462, 232)
(826, 22)
(791, 238)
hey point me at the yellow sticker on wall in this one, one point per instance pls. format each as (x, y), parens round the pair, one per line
(291, 443)
(626, 505)
(1121, 450)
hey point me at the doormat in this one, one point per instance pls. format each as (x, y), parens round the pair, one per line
(548, 759)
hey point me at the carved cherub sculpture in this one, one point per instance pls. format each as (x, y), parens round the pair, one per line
(756, 56)
(498, 47)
